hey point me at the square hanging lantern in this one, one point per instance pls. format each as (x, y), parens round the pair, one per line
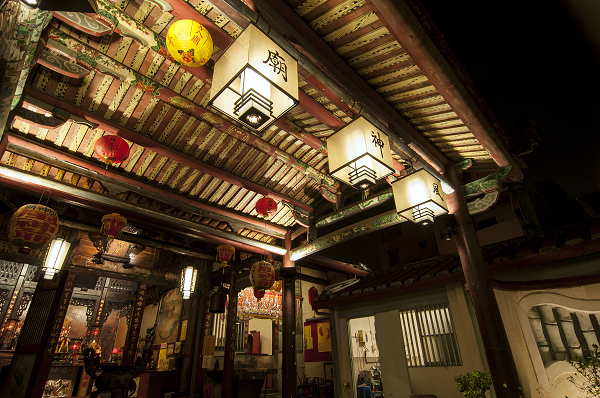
(359, 154)
(57, 253)
(255, 81)
(188, 281)
(419, 197)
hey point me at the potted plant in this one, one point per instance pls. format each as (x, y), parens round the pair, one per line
(473, 385)
(587, 378)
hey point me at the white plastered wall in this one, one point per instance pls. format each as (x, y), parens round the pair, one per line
(537, 380)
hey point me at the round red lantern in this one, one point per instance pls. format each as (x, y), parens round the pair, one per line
(112, 225)
(259, 294)
(265, 207)
(262, 275)
(226, 253)
(33, 226)
(111, 149)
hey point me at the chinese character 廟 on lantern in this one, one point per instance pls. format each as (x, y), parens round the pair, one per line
(33, 226)
(262, 275)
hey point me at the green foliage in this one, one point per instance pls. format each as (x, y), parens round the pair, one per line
(587, 378)
(473, 385)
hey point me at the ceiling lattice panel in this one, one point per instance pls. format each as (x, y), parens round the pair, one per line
(353, 30)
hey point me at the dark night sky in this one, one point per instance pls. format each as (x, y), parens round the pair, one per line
(533, 58)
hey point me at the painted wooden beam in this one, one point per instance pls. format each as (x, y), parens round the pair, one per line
(148, 143)
(355, 209)
(32, 182)
(364, 227)
(486, 184)
(52, 156)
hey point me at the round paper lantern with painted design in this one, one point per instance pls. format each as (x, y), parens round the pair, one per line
(262, 275)
(226, 253)
(189, 43)
(33, 226)
(265, 207)
(112, 225)
(111, 149)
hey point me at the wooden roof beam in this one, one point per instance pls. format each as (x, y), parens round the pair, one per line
(148, 143)
(399, 19)
(54, 157)
(15, 178)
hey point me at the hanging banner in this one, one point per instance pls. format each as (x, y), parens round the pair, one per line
(324, 337)
(308, 341)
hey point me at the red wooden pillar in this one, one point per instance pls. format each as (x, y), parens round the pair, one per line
(204, 328)
(227, 389)
(33, 355)
(133, 336)
(497, 349)
(288, 366)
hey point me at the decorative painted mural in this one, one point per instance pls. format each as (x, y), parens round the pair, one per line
(169, 314)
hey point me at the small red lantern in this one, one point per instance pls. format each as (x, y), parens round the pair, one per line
(262, 275)
(112, 225)
(265, 207)
(226, 253)
(259, 294)
(33, 226)
(312, 295)
(111, 149)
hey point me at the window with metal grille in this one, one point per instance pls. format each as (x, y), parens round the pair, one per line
(218, 328)
(429, 336)
(563, 333)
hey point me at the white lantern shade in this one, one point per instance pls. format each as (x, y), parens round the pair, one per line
(255, 81)
(359, 154)
(188, 281)
(419, 197)
(56, 257)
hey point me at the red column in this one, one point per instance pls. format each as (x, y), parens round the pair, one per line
(133, 336)
(227, 390)
(204, 328)
(288, 366)
(33, 355)
(497, 349)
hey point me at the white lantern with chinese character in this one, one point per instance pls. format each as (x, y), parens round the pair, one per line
(419, 197)
(255, 81)
(57, 253)
(188, 281)
(359, 154)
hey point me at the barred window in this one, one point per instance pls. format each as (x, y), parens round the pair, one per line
(429, 336)
(218, 328)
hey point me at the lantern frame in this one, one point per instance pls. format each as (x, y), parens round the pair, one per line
(55, 257)
(255, 81)
(419, 197)
(359, 154)
(188, 281)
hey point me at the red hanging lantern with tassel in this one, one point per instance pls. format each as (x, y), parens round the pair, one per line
(265, 207)
(226, 253)
(112, 225)
(111, 149)
(259, 294)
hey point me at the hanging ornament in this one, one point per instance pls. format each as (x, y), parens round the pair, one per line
(33, 226)
(226, 253)
(265, 207)
(111, 149)
(262, 275)
(312, 295)
(189, 43)
(259, 294)
(112, 225)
